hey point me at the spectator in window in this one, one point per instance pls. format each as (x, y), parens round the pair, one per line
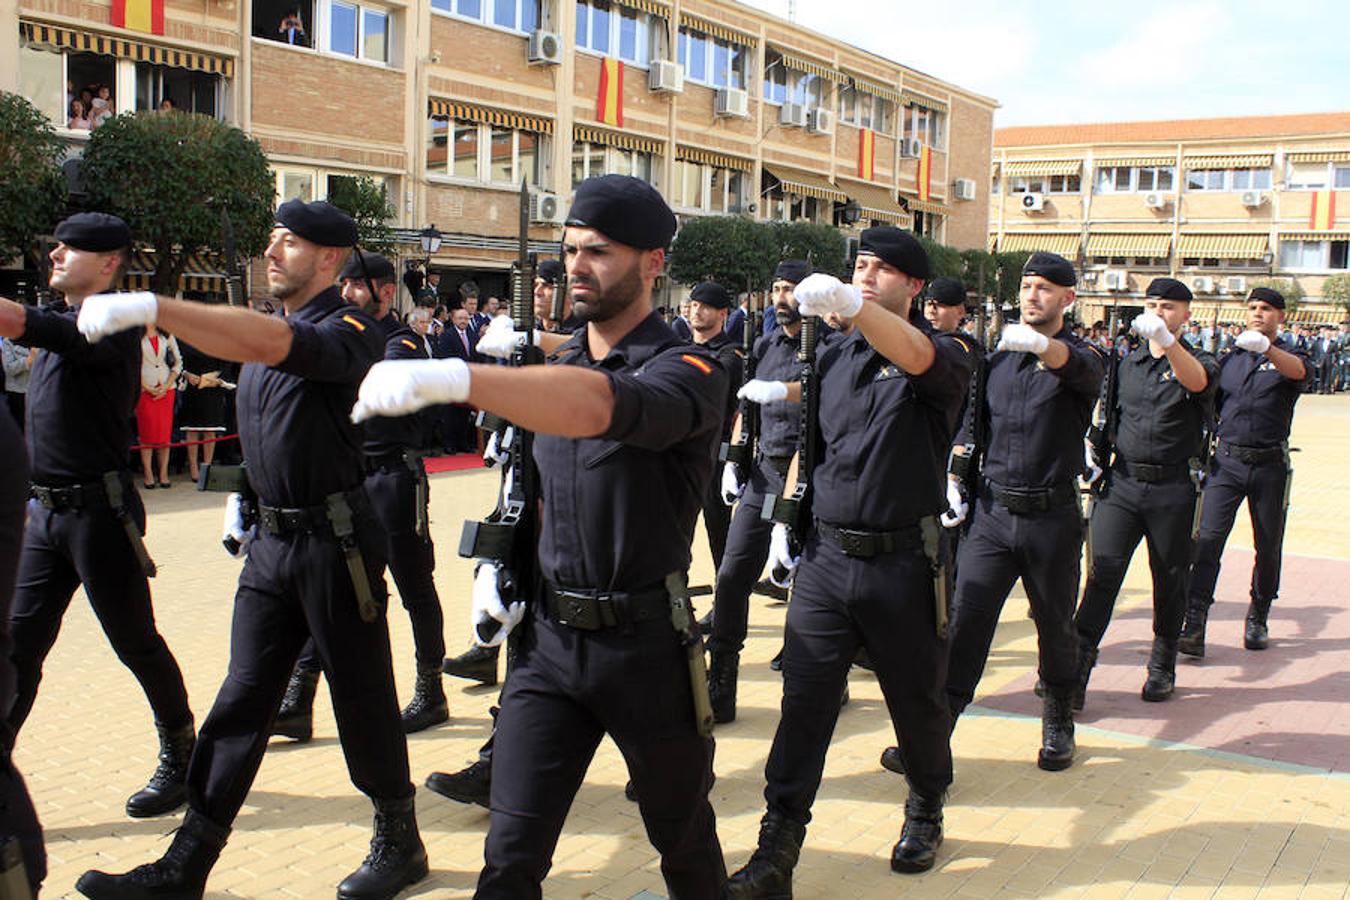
(18, 362)
(161, 364)
(167, 105)
(101, 107)
(78, 120)
(204, 415)
(292, 28)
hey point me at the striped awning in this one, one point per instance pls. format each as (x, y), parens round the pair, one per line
(1064, 243)
(1223, 246)
(202, 273)
(911, 98)
(1151, 245)
(707, 26)
(651, 7)
(88, 41)
(867, 86)
(877, 201)
(484, 115)
(1315, 156)
(810, 67)
(618, 139)
(806, 184)
(1113, 161)
(1233, 161)
(1029, 167)
(712, 158)
(1315, 236)
(1305, 316)
(991, 243)
(914, 204)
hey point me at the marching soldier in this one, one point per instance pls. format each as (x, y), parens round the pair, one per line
(709, 304)
(944, 304)
(314, 568)
(1259, 383)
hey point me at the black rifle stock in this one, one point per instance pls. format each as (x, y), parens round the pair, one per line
(745, 437)
(793, 507)
(967, 467)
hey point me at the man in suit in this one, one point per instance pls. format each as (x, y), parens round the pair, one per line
(458, 341)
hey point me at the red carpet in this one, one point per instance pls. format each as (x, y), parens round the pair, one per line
(457, 463)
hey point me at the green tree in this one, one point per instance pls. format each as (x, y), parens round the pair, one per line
(1336, 291)
(1290, 288)
(32, 191)
(1010, 275)
(170, 176)
(367, 201)
(976, 262)
(733, 251)
(943, 261)
(823, 245)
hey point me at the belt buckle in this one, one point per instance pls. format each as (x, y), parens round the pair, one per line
(577, 611)
(851, 542)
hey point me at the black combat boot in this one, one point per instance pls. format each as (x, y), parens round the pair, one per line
(916, 850)
(768, 874)
(476, 664)
(1256, 636)
(1087, 661)
(1057, 744)
(397, 857)
(295, 719)
(180, 874)
(1162, 670)
(471, 785)
(723, 668)
(892, 761)
(167, 789)
(1192, 640)
(428, 706)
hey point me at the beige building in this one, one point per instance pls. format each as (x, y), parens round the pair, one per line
(451, 103)
(1218, 203)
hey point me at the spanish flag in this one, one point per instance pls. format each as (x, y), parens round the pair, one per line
(867, 154)
(139, 15)
(609, 105)
(1323, 216)
(925, 173)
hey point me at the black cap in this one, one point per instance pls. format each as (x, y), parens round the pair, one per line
(1169, 289)
(1267, 295)
(377, 266)
(1052, 267)
(710, 293)
(319, 222)
(94, 231)
(793, 270)
(624, 209)
(946, 291)
(551, 271)
(897, 247)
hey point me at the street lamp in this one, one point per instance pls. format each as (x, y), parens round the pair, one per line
(431, 241)
(850, 212)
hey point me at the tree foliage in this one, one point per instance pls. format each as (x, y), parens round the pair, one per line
(367, 201)
(733, 251)
(32, 191)
(170, 176)
(1288, 287)
(943, 261)
(823, 245)
(1336, 291)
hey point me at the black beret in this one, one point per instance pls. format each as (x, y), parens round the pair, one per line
(1051, 267)
(624, 209)
(710, 293)
(551, 271)
(1169, 289)
(1267, 295)
(793, 270)
(94, 231)
(377, 266)
(319, 222)
(946, 291)
(899, 248)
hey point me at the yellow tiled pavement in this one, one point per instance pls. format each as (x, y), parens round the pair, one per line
(1130, 819)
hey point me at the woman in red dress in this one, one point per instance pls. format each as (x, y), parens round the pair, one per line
(161, 364)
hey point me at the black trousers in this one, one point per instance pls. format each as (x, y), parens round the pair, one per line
(292, 587)
(89, 546)
(716, 521)
(841, 603)
(1161, 513)
(570, 688)
(747, 550)
(1044, 550)
(1265, 487)
(18, 820)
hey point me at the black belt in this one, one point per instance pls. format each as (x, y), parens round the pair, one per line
(293, 520)
(393, 461)
(779, 464)
(74, 496)
(866, 544)
(1251, 455)
(593, 610)
(1150, 473)
(1023, 501)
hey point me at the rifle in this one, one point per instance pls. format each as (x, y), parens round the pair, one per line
(234, 274)
(967, 468)
(1102, 432)
(793, 507)
(740, 450)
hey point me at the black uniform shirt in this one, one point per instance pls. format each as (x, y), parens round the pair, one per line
(728, 354)
(779, 423)
(81, 397)
(1159, 421)
(971, 347)
(295, 422)
(619, 509)
(393, 434)
(885, 434)
(1038, 416)
(1255, 402)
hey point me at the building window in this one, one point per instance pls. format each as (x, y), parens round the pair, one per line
(614, 31)
(863, 109)
(1128, 179)
(1316, 176)
(1045, 184)
(698, 187)
(517, 15)
(357, 31)
(486, 154)
(590, 160)
(307, 184)
(1341, 177)
(785, 85)
(1314, 254)
(1227, 179)
(775, 78)
(925, 125)
(185, 90)
(285, 21)
(712, 61)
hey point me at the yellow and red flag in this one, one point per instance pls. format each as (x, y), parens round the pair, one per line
(1323, 216)
(609, 105)
(867, 154)
(139, 15)
(925, 173)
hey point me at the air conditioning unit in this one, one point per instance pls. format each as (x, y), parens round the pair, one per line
(1155, 200)
(665, 76)
(1202, 284)
(964, 189)
(911, 148)
(1115, 280)
(1033, 202)
(820, 121)
(1253, 199)
(545, 47)
(1235, 284)
(792, 115)
(545, 209)
(732, 102)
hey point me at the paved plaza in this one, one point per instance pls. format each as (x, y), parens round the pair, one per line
(1238, 787)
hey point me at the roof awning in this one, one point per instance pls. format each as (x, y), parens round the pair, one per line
(991, 243)
(1150, 245)
(618, 139)
(914, 205)
(806, 184)
(1063, 243)
(868, 86)
(652, 7)
(811, 67)
(707, 26)
(486, 115)
(877, 202)
(1315, 236)
(713, 158)
(1316, 156)
(200, 274)
(1029, 167)
(912, 98)
(1305, 316)
(1110, 162)
(1223, 246)
(88, 41)
(1235, 161)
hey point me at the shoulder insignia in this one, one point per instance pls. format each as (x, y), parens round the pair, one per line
(696, 363)
(354, 322)
(964, 346)
(1097, 350)
(407, 343)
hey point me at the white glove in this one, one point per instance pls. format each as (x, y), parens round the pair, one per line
(500, 339)
(234, 527)
(397, 387)
(497, 452)
(959, 507)
(756, 390)
(1022, 339)
(780, 555)
(1151, 327)
(489, 612)
(1254, 341)
(1090, 463)
(821, 294)
(105, 314)
(731, 484)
